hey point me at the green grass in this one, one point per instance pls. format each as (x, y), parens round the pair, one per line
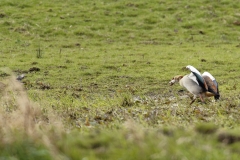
(97, 76)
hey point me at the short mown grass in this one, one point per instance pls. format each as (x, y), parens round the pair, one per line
(97, 73)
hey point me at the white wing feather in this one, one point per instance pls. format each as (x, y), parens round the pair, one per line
(193, 77)
(209, 75)
(192, 69)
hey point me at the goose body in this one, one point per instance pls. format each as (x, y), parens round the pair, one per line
(190, 85)
(200, 85)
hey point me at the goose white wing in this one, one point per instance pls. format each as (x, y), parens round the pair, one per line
(198, 76)
(209, 75)
(193, 69)
(193, 77)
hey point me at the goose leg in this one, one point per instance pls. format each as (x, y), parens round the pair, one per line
(194, 98)
(193, 101)
(201, 98)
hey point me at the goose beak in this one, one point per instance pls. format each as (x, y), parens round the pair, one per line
(172, 82)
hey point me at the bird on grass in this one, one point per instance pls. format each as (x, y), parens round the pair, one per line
(200, 85)
(20, 77)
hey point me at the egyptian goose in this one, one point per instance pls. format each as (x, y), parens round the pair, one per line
(200, 85)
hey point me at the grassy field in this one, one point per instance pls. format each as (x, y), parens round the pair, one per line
(97, 74)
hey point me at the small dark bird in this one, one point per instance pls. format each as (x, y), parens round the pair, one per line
(20, 77)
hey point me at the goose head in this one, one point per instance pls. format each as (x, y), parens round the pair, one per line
(175, 79)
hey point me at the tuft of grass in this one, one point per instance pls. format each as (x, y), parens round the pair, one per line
(206, 128)
(228, 137)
